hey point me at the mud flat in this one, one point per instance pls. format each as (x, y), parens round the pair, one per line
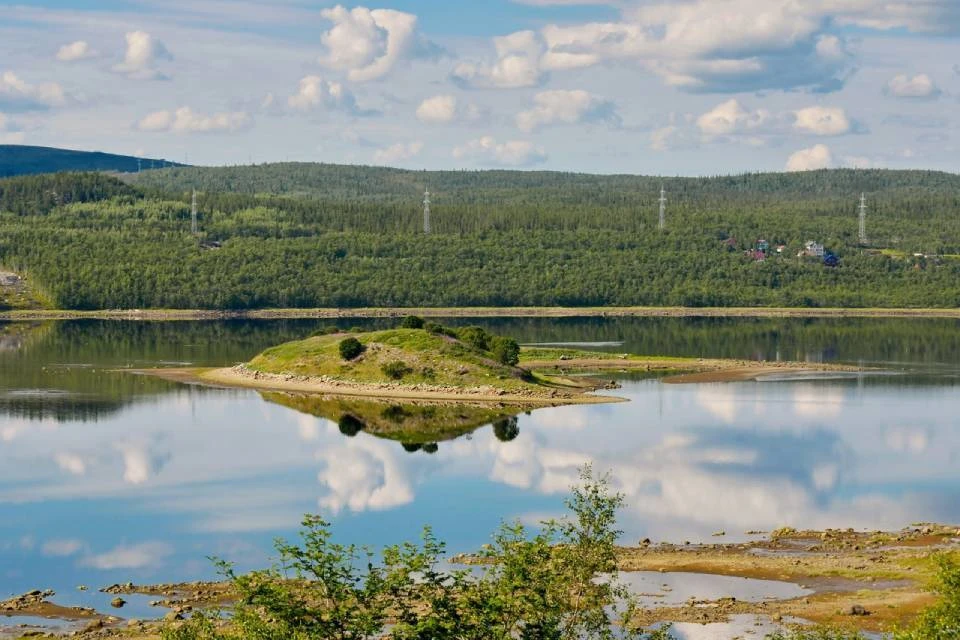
(870, 581)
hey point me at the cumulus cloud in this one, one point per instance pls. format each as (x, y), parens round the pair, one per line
(17, 94)
(816, 157)
(920, 86)
(447, 109)
(143, 54)
(517, 66)
(567, 107)
(368, 44)
(71, 463)
(146, 555)
(822, 121)
(185, 120)
(316, 93)
(514, 153)
(438, 110)
(730, 118)
(398, 153)
(79, 50)
(364, 474)
(736, 45)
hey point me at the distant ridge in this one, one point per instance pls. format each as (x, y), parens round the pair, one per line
(18, 160)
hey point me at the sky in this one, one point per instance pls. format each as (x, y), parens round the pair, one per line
(660, 87)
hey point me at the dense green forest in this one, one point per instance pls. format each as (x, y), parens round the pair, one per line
(17, 160)
(305, 235)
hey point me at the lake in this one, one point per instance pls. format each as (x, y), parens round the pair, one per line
(107, 476)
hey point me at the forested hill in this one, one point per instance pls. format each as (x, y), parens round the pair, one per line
(17, 160)
(332, 236)
(331, 181)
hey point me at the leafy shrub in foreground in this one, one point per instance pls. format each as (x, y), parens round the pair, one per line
(396, 370)
(536, 587)
(351, 348)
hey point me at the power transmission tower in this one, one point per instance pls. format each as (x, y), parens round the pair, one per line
(663, 208)
(426, 212)
(193, 214)
(863, 218)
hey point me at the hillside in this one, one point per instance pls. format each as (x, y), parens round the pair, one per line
(16, 160)
(308, 236)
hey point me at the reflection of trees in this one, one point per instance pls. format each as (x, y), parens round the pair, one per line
(506, 429)
(349, 425)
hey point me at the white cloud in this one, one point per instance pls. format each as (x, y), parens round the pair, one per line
(71, 463)
(61, 548)
(316, 93)
(368, 44)
(143, 54)
(816, 157)
(514, 153)
(398, 153)
(730, 118)
(713, 45)
(920, 86)
(364, 474)
(566, 107)
(185, 120)
(438, 110)
(822, 121)
(517, 65)
(18, 95)
(146, 555)
(79, 50)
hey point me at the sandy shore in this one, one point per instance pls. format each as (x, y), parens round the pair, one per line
(479, 312)
(240, 377)
(689, 370)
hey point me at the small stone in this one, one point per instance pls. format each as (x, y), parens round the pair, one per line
(858, 610)
(173, 616)
(82, 587)
(117, 603)
(93, 625)
(777, 617)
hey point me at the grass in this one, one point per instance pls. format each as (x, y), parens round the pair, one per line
(434, 360)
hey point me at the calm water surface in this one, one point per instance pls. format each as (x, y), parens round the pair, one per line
(108, 477)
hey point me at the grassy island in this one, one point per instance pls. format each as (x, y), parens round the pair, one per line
(419, 360)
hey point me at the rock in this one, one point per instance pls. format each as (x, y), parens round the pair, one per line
(173, 616)
(645, 542)
(777, 617)
(82, 587)
(719, 534)
(117, 603)
(858, 610)
(93, 625)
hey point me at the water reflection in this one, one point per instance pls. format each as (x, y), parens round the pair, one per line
(174, 474)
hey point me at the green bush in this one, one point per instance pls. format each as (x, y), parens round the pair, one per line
(476, 337)
(326, 331)
(412, 322)
(350, 425)
(539, 586)
(351, 348)
(505, 351)
(396, 370)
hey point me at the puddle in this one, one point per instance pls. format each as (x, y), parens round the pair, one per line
(740, 626)
(137, 606)
(657, 589)
(16, 626)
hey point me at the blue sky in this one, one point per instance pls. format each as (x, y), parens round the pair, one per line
(687, 87)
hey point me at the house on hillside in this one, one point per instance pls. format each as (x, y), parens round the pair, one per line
(812, 249)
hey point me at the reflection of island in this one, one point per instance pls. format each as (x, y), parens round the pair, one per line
(417, 425)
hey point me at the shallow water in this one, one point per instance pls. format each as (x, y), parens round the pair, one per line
(111, 477)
